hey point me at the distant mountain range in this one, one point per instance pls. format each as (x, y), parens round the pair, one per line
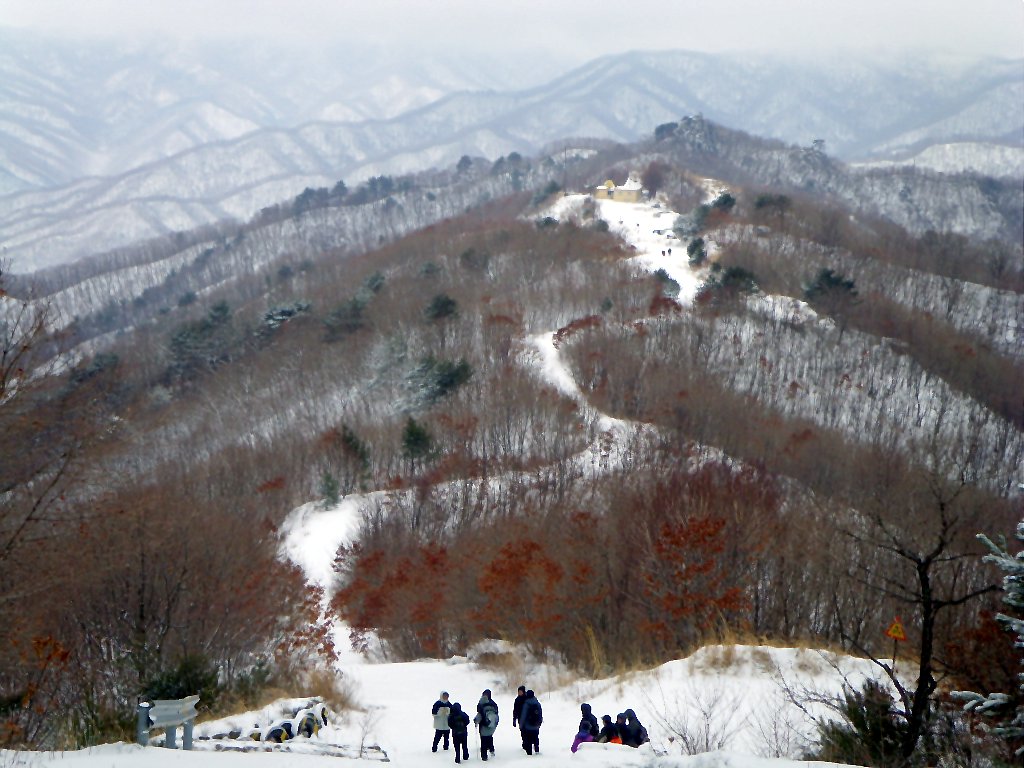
(102, 148)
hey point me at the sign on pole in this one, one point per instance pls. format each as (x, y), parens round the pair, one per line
(896, 631)
(898, 634)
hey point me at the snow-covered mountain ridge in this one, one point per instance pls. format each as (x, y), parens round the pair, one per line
(167, 152)
(988, 159)
(74, 110)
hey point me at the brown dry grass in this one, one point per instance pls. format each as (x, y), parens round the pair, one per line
(507, 666)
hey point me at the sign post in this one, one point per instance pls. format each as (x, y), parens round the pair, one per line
(897, 633)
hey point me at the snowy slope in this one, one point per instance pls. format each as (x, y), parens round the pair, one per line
(741, 692)
(962, 157)
(745, 696)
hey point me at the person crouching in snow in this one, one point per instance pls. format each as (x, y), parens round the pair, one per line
(487, 722)
(441, 709)
(609, 731)
(620, 726)
(583, 735)
(634, 734)
(458, 721)
(588, 715)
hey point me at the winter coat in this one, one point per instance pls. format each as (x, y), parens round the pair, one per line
(517, 710)
(524, 720)
(441, 710)
(458, 720)
(634, 734)
(582, 736)
(486, 716)
(591, 719)
(610, 734)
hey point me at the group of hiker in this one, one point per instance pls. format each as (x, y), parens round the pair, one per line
(451, 725)
(450, 719)
(627, 729)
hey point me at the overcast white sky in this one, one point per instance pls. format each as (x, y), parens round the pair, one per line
(576, 29)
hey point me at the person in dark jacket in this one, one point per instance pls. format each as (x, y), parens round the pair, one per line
(609, 731)
(458, 721)
(517, 706)
(441, 709)
(486, 722)
(634, 734)
(530, 720)
(589, 716)
(620, 724)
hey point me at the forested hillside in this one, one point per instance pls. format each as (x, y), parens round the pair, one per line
(802, 451)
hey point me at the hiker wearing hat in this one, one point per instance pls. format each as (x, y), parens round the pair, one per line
(487, 722)
(441, 709)
(517, 707)
(530, 720)
(609, 731)
(588, 715)
(583, 735)
(458, 721)
(633, 734)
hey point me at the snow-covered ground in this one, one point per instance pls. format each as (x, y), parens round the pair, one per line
(737, 690)
(646, 228)
(742, 699)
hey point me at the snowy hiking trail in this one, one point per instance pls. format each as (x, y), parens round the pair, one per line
(312, 534)
(736, 691)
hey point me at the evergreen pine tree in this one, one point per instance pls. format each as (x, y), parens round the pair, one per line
(441, 306)
(1006, 708)
(329, 489)
(416, 442)
(834, 294)
(356, 458)
(697, 252)
(869, 733)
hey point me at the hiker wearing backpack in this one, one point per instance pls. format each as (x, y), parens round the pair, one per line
(529, 722)
(441, 709)
(487, 722)
(458, 721)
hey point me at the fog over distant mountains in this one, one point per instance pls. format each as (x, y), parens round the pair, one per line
(103, 146)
